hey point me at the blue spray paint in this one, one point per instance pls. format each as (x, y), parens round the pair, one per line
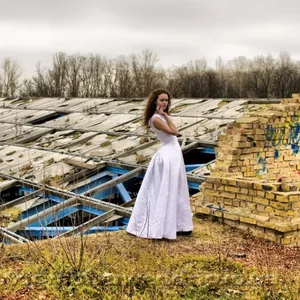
(275, 136)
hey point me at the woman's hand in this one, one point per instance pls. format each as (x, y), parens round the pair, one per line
(160, 110)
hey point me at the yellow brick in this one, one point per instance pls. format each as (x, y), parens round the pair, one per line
(228, 195)
(261, 200)
(219, 187)
(212, 192)
(247, 150)
(217, 213)
(203, 210)
(197, 203)
(243, 204)
(246, 156)
(270, 196)
(279, 205)
(236, 203)
(231, 216)
(247, 120)
(285, 227)
(270, 154)
(286, 240)
(294, 197)
(245, 184)
(261, 194)
(295, 205)
(228, 201)
(247, 220)
(244, 191)
(244, 145)
(251, 205)
(281, 198)
(252, 192)
(269, 209)
(266, 224)
(231, 182)
(244, 197)
(292, 213)
(260, 213)
(232, 189)
(260, 207)
(210, 198)
(213, 180)
(208, 185)
(280, 212)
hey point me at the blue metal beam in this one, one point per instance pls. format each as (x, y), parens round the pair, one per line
(194, 185)
(206, 149)
(90, 185)
(29, 190)
(100, 175)
(91, 210)
(189, 168)
(48, 195)
(123, 192)
(120, 171)
(36, 209)
(55, 217)
(116, 170)
(43, 231)
(104, 194)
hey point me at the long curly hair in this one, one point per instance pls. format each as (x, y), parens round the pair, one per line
(151, 105)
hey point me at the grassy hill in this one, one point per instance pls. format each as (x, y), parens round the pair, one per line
(216, 262)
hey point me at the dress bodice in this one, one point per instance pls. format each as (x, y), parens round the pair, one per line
(165, 138)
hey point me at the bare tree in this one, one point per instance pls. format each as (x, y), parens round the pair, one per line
(223, 77)
(197, 71)
(73, 76)
(11, 73)
(284, 75)
(123, 79)
(237, 70)
(27, 89)
(136, 75)
(260, 76)
(43, 87)
(213, 84)
(59, 73)
(1, 86)
(145, 76)
(178, 82)
(93, 76)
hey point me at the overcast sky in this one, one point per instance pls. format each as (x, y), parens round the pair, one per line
(177, 30)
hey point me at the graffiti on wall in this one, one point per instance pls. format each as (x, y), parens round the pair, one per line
(289, 134)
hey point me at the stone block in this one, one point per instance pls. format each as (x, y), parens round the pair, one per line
(248, 220)
(231, 216)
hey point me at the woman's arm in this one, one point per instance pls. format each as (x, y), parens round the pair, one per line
(169, 128)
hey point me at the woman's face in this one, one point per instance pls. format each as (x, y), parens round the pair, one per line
(162, 101)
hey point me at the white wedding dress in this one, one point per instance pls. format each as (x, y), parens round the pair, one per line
(162, 207)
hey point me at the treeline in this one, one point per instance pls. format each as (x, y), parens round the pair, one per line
(136, 75)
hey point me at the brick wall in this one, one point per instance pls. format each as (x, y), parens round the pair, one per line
(255, 182)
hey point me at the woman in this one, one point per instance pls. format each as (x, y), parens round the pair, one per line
(162, 207)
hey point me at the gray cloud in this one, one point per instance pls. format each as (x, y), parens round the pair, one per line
(177, 30)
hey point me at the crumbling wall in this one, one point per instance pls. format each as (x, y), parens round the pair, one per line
(255, 182)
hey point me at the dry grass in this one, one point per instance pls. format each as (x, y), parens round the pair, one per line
(216, 262)
(9, 215)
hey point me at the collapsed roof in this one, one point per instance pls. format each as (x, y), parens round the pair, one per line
(79, 149)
